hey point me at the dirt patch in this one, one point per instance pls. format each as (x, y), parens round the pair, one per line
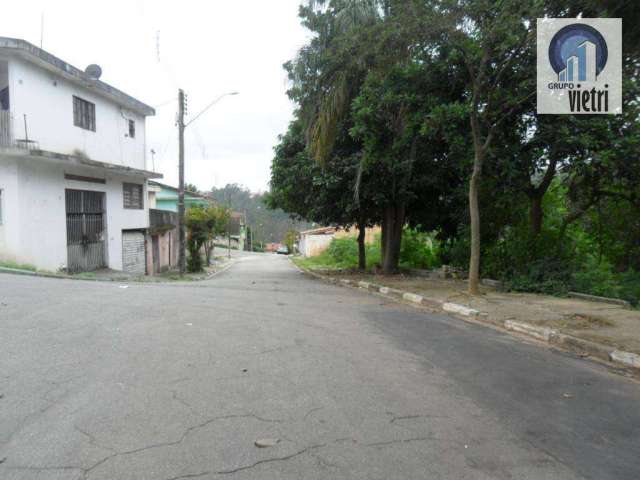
(582, 321)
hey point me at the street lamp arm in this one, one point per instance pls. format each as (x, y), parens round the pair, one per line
(209, 106)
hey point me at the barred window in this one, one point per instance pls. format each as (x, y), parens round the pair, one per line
(84, 114)
(132, 129)
(132, 196)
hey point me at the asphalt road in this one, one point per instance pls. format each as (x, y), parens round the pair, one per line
(177, 381)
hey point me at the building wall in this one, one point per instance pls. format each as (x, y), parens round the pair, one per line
(168, 205)
(47, 101)
(152, 197)
(314, 245)
(35, 230)
(171, 204)
(168, 243)
(9, 185)
(369, 238)
(4, 75)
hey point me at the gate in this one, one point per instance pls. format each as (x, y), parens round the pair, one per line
(134, 259)
(85, 231)
(155, 249)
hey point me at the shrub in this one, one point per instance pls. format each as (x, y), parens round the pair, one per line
(418, 250)
(344, 251)
(542, 264)
(599, 278)
(195, 263)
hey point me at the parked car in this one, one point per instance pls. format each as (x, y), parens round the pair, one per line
(283, 250)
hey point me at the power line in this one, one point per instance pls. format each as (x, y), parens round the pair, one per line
(165, 103)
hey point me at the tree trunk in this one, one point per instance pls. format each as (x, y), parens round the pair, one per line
(392, 226)
(362, 252)
(383, 239)
(474, 212)
(536, 215)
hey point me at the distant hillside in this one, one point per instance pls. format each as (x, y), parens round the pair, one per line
(267, 225)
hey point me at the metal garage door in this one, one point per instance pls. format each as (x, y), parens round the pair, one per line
(133, 252)
(86, 244)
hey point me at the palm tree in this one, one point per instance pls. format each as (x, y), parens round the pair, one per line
(339, 84)
(327, 76)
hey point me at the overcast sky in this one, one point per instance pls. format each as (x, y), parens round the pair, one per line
(205, 47)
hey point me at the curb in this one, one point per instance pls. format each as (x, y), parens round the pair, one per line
(17, 271)
(543, 334)
(30, 273)
(460, 309)
(222, 270)
(595, 298)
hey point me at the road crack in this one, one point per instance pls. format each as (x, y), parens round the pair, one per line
(92, 439)
(86, 472)
(398, 442)
(270, 460)
(414, 417)
(311, 411)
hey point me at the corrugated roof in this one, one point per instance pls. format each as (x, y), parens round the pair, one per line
(319, 231)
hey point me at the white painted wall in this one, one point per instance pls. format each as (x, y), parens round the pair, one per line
(47, 100)
(9, 239)
(313, 245)
(34, 230)
(4, 74)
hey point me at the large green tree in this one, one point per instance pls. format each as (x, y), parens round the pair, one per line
(331, 194)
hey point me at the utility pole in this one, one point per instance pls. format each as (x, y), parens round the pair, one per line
(181, 221)
(182, 106)
(229, 226)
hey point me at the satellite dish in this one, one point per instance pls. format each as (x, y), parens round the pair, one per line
(93, 71)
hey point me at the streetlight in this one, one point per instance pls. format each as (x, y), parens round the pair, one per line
(181, 127)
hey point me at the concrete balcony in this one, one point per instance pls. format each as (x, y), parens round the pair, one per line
(161, 221)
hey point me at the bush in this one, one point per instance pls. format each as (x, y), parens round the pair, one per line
(419, 250)
(599, 278)
(344, 251)
(630, 286)
(195, 263)
(541, 264)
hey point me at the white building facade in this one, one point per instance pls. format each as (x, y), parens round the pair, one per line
(73, 176)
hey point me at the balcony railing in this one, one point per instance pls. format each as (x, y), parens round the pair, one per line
(162, 220)
(6, 129)
(7, 138)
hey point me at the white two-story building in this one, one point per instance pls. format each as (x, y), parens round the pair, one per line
(72, 166)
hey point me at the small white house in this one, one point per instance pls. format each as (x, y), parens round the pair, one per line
(73, 175)
(314, 242)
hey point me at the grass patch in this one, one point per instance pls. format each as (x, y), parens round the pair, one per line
(18, 266)
(86, 275)
(418, 250)
(342, 254)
